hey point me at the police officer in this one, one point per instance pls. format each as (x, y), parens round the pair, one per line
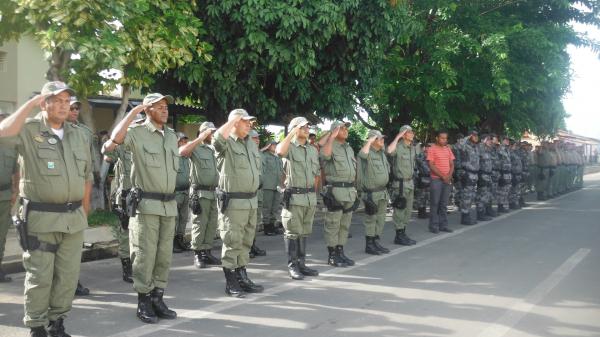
(517, 175)
(239, 165)
(302, 173)
(496, 173)
(543, 175)
(8, 168)
(56, 181)
(122, 185)
(255, 250)
(73, 117)
(402, 158)
(271, 178)
(182, 197)
(203, 203)
(373, 180)
(523, 150)
(422, 183)
(484, 183)
(339, 166)
(505, 181)
(155, 159)
(469, 161)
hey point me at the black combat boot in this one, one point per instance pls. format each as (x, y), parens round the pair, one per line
(370, 246)
(81, 290)
(482, 216)
(232, 286)
(541, 196)
(145, 312)
(302, 259)
(490, 211)
(334, 259)
(513, 205)
(269, 229)
(182, 243)
(176, 248)
(126, 266)
(159, 306)
(501, 209)
(57, 329)
(379, 246)
(3, 277)
(200, 259)
(403, 239)
(38, 331)
(279, 228)
(291, 247)
(256, 251)
(422, 213)
(339, 250)
(211, 259)
(466, 219)
(246, 283)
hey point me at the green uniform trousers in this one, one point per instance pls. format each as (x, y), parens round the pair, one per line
(204, 225)
(237, 228)
(402, 216)
(270, 206)
(337, 225)
(374, 223)
(183, 212)
(122, 237)
(5, 223)
(298, 221)
(151, 245)
(51, 278)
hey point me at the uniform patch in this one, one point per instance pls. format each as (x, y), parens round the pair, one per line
(38, 139)
(51, 165)
(52, 141)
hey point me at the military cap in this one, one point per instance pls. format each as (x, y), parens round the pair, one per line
(473, 132)
(298, 122)
(207, 125)
(253, 133)
(336, 124)
(156, 97)
(56, 87)
(181, 135)
(74, 100)
(240, 112)
(405, 128)
(375, 133)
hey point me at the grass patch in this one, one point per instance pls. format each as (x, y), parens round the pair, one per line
(102, 218)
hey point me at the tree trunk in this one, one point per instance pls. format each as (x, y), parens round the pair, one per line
(125, 93)
(58, 64)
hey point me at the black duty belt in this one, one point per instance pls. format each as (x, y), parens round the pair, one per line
(300, 190)
(5, 187)
(240, 195)
(183, 188)
(342, 184)
(54, 208)
(42, 245)
(158, 196)
(203, 187)
(378, 189)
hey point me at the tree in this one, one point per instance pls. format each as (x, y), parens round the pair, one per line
(279, 59)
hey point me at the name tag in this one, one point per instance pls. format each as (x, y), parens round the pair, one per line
(51, 165)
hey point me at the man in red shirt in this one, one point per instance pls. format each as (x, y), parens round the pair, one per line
(441, 163)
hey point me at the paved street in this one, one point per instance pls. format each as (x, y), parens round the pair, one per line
(533, 272)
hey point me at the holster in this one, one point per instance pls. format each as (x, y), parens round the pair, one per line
(399, 201)
(330, 202)
(287, 196)
(370, 205)
(195, 206)
(132, 201)
(26, 241)
(354, 206)
(222, 200)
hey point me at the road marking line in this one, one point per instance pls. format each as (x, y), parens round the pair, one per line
(523, 307)
(190, 315)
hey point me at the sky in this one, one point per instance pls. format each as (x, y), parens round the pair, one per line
(583, 102)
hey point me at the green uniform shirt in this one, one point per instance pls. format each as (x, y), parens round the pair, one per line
(182, 179)
(301, 166)
(375, 172)
(204, 170)
(403, 162)
(155, 159)
(93, 147)
(238, 162)
(340, 167)
(271, 171)
(8, 166)
(53, 171)
(122, 168)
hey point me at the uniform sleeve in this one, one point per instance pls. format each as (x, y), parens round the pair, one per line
(219, 142)
(324, 157)
(129, 141)
(362, 155)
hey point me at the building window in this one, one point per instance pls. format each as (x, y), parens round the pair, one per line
(3, 62)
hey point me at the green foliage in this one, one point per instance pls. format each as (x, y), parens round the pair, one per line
(357, 136)
(191, 119)
(102, 218)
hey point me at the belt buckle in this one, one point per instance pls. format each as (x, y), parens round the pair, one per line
(165, 198)
(70, 207)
